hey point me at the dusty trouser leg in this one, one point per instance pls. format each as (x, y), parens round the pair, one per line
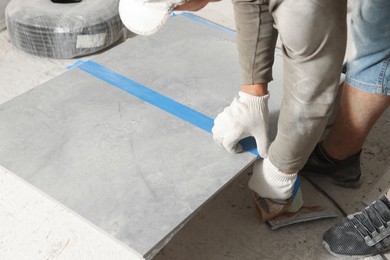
(313, 35)
(256, 39)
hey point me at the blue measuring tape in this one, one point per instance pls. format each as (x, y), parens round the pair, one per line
(208, 23)
(156, 99)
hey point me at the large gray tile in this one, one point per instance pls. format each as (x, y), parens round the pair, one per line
(131, 169)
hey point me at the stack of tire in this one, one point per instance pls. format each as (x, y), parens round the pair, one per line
(63, 30)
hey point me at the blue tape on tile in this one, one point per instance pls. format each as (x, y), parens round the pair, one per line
(156, 99)
(169, 105)
(76, 64)
(297, 185)
(208, 23)
(148, 95)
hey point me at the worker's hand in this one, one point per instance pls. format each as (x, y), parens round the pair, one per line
(269, 182)
(246, 116)
(194, 5)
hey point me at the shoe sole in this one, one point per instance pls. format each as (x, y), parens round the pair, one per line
(327, 247)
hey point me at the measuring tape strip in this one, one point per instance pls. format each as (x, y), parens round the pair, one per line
(156, 99)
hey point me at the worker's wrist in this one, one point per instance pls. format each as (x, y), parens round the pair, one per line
(258, 89)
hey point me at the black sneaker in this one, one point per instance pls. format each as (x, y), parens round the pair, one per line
(365, 233)
(346, 173)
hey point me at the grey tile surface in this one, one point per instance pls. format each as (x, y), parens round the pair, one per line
(131, 169)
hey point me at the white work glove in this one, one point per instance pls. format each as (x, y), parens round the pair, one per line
(269, 182)
(246, 116)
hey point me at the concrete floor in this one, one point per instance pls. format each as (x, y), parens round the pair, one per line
(227, 227)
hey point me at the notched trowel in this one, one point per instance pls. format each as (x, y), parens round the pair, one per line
(304, 214)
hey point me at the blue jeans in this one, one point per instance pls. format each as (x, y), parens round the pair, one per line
(369, 67)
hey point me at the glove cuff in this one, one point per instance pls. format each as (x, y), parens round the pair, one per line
(257, 102)
(269, 182)
(276, 176)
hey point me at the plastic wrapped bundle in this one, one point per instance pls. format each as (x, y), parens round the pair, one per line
(44, 28)
(3, 4)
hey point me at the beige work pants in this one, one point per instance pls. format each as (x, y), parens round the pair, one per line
(313, 37)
